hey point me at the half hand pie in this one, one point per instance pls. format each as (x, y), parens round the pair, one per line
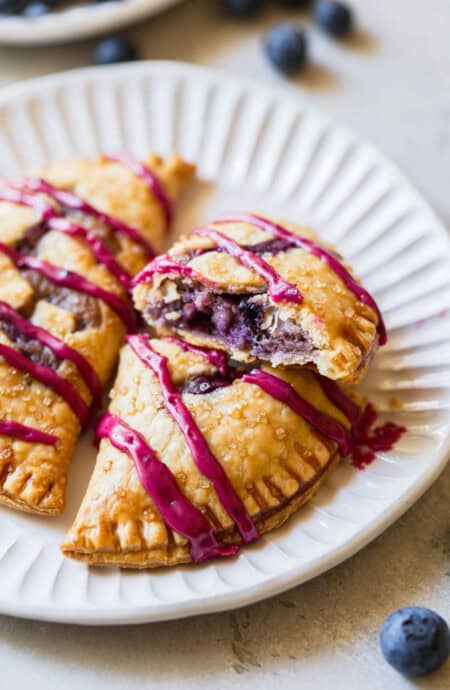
(198, 456)
(259, 289)
(69, 245)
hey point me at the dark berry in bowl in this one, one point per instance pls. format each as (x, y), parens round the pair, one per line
(415, 641)
(242, 8)
(299, 4)
(334, 17)
(286, 47)
(114, 49)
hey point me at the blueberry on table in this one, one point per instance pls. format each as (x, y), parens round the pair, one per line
(286, 48)
(295, 3)
(114, 49)
(11, 7)
(334, 17)
(415, 641)
(37, 8)
(242, 8)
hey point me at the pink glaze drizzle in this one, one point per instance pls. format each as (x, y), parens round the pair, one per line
(342, 401)
(99, 248)
(26, 433)
(75, 203)
(279, 289)
(73, 281)
(215, 357)
(203, 458)
(324, 255)
(283, 391)
(150, 179)
(165, 264)
(54, 221)
(22, 198)
(368, 440)
(363, 440)
(57, 346)
(182, 516)
(158, 481)
(49, 377)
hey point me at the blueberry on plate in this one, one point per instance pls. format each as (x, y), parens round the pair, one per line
(242, 8)
(114, 49)
(11, 7)
(334, 17)
(286, 48)
(415, 641)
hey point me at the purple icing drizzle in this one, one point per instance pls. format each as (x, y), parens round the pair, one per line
(75, 203)
(151, 181)
(48, 377)
(166, 265)
(203, 458)
(99, 249)
(215, 357)
(342, 401)
(279, 289)
(285, 393)
(156, 478)
(160, 484)
(73, 281)
(26, 433)
(54, 221)
(324, 255)
(57, 346)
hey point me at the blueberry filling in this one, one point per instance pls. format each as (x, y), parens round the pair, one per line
(234, 320)
(30, 239)
(202, 384)
(31, 348)
(84, 307)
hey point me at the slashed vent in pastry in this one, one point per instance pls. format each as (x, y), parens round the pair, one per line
(70, 241)
(199, 456)
(259, 289)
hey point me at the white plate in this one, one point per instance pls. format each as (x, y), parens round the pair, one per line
(261, 149)
(78, 19)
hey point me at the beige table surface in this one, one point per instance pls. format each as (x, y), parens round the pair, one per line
(391, 85)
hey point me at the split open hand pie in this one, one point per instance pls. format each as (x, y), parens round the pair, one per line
(261, 289)
(69, 245)
(199, 456)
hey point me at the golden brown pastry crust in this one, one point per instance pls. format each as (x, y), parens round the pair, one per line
(342, 330)
(33, 475)
(273, 458)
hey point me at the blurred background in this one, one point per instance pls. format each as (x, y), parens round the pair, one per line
(389, 80)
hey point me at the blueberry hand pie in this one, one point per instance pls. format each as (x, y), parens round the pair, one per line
(70, 242)
(263, 290)
(199, 455)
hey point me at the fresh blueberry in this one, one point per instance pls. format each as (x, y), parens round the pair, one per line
(11, 7)
(334, 17)
(242, 8)
(286, 47)
(114, 49)
(37, 8)
(299, 4)
(415, 641)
